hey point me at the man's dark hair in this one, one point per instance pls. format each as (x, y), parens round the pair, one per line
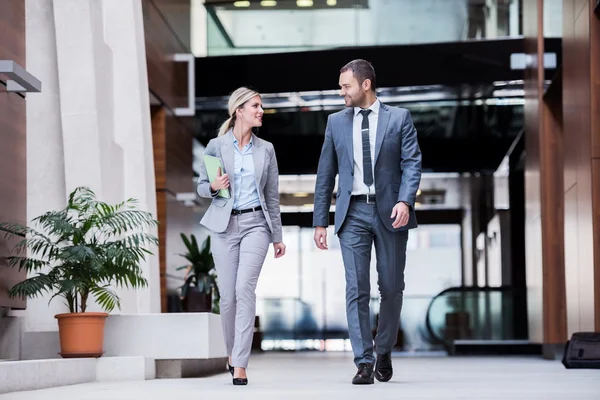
(361, 69)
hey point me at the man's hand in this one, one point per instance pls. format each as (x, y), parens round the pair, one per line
(321, 237)
(220, 182)
(279, 249)
(400, 214)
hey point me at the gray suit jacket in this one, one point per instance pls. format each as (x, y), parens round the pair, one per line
(266, 173)
(397, 166)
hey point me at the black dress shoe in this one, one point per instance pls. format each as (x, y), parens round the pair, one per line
(364, 375)
(383, 367)
(240, 381)
(230, 369)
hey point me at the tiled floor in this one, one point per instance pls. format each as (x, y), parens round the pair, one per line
(315, 376)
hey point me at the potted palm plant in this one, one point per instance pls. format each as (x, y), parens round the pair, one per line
(80, 251)
(200, 288)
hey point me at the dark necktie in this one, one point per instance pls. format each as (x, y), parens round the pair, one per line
(366, 148)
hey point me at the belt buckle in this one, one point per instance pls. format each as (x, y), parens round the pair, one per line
(368, 197)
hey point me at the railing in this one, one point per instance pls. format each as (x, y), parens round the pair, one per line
(471, 313)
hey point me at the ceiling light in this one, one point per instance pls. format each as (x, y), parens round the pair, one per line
(241, 4)
(300, 194)
(304, 3)
(331, 2)
(268, 3)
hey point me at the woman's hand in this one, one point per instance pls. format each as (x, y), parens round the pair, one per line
(279, 249)
(220, 182)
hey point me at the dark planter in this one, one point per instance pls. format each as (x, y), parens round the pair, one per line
(197, 301)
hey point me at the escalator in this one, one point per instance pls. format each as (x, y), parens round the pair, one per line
(476, 320)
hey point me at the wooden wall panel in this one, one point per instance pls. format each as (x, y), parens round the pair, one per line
(595, 139)
(161, 208)
(12, 31)
(161, 44)
(533, 126)
(544, 194)
(553, 238)
(158, 116)
(179, 157)
(580, 105)
(13, 163)
(572, 260)
(172, 144)
(595, 80)
(172, 136)
(596, 207)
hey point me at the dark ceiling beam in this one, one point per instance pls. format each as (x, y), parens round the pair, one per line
(455, 63)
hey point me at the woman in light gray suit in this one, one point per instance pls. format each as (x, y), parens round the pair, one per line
(243, 224)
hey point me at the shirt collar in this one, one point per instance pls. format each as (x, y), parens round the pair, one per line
(374, 108)
(235, 141)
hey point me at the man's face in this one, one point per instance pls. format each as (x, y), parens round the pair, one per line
(353, 93)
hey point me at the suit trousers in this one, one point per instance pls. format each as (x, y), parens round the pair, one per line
(239, 254)
(363, 227)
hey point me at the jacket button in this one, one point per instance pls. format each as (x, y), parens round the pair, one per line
(349, 192)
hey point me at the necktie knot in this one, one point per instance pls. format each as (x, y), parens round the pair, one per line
(365, 113)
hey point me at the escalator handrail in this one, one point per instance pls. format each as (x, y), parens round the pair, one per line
(459, 289)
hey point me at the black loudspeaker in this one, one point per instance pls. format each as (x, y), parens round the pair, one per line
(582, 351)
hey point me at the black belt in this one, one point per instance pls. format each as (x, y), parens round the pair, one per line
(247, 210)
(366, 198)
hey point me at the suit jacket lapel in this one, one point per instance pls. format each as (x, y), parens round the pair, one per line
(258, 156)
(348, 132)
(382, 123)
(228, 159)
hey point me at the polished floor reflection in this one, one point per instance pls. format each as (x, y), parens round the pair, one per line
(318, 376)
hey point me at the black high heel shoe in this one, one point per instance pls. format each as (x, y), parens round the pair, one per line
(240, 381)
(230, 368)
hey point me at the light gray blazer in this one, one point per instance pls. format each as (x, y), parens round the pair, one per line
(266, 173)
(397, 166)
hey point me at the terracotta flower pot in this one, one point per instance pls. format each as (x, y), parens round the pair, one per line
(81, 334)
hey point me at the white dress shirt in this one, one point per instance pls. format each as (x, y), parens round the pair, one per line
(359, 187)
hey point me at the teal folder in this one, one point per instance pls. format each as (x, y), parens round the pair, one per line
(212, 164)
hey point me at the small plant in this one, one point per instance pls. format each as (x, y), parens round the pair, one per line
(83, 250)
(201, 272)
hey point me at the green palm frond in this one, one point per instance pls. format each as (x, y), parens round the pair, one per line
(26, 263)
(32, 287)
(79, 253)
(38, 245)
(121, 222)
(106, 298)
(11, 230)
(57, 222)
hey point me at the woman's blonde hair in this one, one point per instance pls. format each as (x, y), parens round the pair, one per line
(237, 99)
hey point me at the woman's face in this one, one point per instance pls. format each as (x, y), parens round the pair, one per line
(251, 113)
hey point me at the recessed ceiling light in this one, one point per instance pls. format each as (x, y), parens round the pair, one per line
(268, 3)
(241, 4)
(304, 3)
(331, 3)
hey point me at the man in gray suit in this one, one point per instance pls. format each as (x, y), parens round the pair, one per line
(374, 150)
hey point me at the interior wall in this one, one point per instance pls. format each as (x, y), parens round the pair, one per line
(543, 187)
(581, 83)
(13, 152)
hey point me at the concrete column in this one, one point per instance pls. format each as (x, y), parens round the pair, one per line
(91, 124)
